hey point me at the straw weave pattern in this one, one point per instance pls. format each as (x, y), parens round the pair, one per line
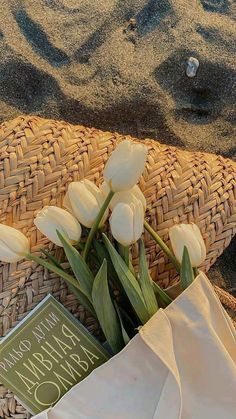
(39, 158)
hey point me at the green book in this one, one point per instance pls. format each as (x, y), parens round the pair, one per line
(46, 354)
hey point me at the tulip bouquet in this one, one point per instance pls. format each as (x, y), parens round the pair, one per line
(102, 275)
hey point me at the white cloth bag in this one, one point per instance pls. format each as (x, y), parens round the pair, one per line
(181, 365)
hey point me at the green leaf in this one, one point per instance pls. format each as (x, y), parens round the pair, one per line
(124, 333)
(102, 253)
(129, 321)
(51, 257)
(161, 293)
(125, 254)
(78, 266)
(186, 270)
(105, 310)
(74, 290)
(82, 299)
(128, 281)
(146, 282)
(68, 278)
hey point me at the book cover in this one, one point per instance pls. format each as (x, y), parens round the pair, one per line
(46, 354)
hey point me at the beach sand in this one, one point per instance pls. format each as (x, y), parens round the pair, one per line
(121, 65)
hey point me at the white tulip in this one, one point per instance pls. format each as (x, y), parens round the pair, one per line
(50, 219)
(125, 165)
(126, 222)
(190, 236)
(84, 199)
(13, 244)
(127, 197)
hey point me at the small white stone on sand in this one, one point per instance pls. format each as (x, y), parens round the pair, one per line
(192, 67)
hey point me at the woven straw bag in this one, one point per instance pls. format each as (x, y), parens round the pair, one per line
(39, 158)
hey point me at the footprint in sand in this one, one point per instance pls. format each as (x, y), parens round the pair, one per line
(201, 99)
(219, 6)
(84, 62)
(24, 86)
(38, 39)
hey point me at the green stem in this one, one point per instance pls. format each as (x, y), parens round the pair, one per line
(79, 246)
(162, 245)
(73, 284)
(51, 257)
(124, 252)
(54, 268)
(126, 255)
(96, 224)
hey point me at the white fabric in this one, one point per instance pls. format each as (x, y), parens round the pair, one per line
(182, 365)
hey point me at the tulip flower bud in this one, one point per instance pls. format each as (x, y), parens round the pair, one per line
(190, 236)
(127, 197)
(50, 219)
(14, 246)
(125, 166)
(126, 222)
(84, 199)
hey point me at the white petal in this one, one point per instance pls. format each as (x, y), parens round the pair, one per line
(129, 175)
(52, 218)
(121, 223)
(61, 217)
(67, 203)
(125, 166)
(49, 229)
(92, 188)
(104, 188)
(125, 196)
(201, 242)
(124, 179)
(73, 230)
(139, 195)
(14, 240)
(193, 247)
(116, 158)
(183, 235)
(6, 255)
(177, 243)
(138, 220)
(84, 204)
(131, 171)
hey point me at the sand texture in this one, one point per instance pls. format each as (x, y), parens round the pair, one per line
(121, 65)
